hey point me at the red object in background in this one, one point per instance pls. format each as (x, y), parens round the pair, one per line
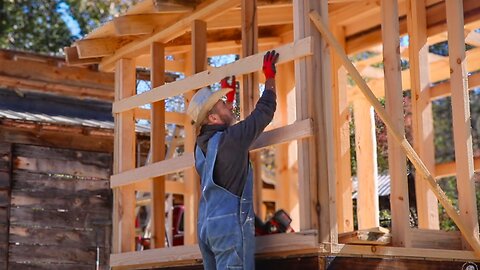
(177, 226)
(278, 223)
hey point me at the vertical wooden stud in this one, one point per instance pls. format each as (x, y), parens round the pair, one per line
(366, 149)
(157, 145)
(461, 119)
(124, 144)
(427, 204)
(342, 139)
(249, 92)
(307, 172)
(314, 99)
(285, 84)
(192, 180)
(394, 106)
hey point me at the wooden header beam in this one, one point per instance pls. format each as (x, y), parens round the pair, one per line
(246, 65)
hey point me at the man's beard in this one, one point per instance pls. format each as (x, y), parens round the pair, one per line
(227, 119)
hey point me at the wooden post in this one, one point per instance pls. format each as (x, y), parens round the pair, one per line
(427, 204)
(366, 148)
(314, 99)
(249, 47)
(394, 105)
(192, 180)
(124, 160)
(249, 93)
(342, 139)
(157, 145)
(461, 120)
(285, 84)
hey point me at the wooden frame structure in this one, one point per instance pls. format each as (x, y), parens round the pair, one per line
(314, 39)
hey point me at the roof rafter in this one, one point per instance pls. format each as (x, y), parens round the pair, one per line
(209, 9)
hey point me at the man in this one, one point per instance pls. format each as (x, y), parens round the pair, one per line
(225, 217)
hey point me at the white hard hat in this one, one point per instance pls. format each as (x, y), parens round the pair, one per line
(203, 101)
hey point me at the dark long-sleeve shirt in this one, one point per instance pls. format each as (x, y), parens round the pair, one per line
(231, 165)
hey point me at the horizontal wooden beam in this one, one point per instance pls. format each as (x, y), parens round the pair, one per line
(422, 238)
(98, 47)
(472, 38)
(211, 8)
(444, 89)
(447, 169)
(439, 71)
(275, 244)
(55, 88)
(73, 59)
(174, 187)
(152, 170)
(170, 117)
(35, 73)
(279, 135)
(245, 65)
(373, 236)
(216, 48)
(267, 15)
(269, 195)
(298, 130)
(391, 252)
(436, 20)
(142, 24)
(174, 256)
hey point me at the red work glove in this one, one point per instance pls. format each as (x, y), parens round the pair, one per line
(233, 85)
(269, 61)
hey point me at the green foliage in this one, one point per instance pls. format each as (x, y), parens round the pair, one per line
(448, 185)
(33, 26)
(91, 14)
(40, 26)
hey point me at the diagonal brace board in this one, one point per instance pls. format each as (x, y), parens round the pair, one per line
(405, 145)
(253, 63)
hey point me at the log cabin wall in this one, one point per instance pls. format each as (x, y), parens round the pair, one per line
(55, 203)
(60, 209)
(5, 180)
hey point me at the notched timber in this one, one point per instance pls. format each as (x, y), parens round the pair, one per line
(99, 47)
(374, 236)
(73, 59)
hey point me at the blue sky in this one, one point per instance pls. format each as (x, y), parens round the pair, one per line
(63, 9)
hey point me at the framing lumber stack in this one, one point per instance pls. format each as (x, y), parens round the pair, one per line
(314, 39)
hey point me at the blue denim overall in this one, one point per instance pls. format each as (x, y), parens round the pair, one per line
(225, 221)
